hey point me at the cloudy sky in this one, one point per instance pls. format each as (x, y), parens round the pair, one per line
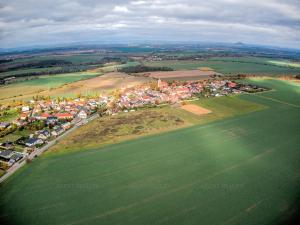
(39, 22)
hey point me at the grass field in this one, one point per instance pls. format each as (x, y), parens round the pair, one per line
(9, 116)
(125, 126)
(240, 170)
(229, 65)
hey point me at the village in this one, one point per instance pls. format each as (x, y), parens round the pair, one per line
(43, 120)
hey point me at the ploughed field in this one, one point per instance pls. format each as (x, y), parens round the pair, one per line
(240, 170)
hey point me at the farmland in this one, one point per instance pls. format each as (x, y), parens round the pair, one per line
(32, 87)
(230, 65)
(239, 170)
(182, 74)
(133, 125)
(65, 84)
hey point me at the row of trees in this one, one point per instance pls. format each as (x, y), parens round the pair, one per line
(142, 68)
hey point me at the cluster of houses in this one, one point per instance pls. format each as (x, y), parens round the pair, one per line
(169, 92)
(54, 117)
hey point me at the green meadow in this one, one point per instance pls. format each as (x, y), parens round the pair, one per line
(232, 66)
(238, 170)
(59, 79)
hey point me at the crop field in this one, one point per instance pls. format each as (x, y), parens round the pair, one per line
(66, 84)
(231, 65)
(182, 74)
(29, 88)
(239, 170)
(132, 125)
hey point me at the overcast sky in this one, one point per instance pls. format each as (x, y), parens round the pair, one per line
(35, 22)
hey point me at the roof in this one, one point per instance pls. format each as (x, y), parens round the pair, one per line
(45, 132)
(31, 140)
(6, 153)
(16, 156)
(64, 115)
(4, 124)
(45, 115)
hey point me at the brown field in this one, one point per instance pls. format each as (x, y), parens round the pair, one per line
(100, 84)
(196, 74)
(195, 109)
(107, 82)
(121, 127)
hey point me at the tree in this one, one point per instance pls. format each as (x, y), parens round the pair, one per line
(117, 94)
(154, 86)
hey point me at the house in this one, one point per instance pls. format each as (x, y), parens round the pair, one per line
(6, 154)
(82, 114)
(231, 84)
(57, 131)
(66, 126)
(10, 157)
(64, 116)
(25, 109)
(52, 120)
(15, 158)
(23, 116)
(8, 145)
(44, 134)
(43, 116)
(33, 142)
(4, 125)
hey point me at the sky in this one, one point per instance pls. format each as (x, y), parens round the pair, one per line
(41, 22)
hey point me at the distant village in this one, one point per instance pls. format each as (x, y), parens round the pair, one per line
(44, 120)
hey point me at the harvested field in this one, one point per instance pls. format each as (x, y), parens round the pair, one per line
(105, 82)
(191, 74)
(195, 109)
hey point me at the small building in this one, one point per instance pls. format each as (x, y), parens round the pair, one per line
(44, 134)
(64, 116)
(6, 154)
(52, 120)
(25, 109)
(15, 158)
(31, 142)
(8, 145)
(23, 116)
(82, 114)
(57, 131)
(43, 116)
(4, 125)
(66, 126)
(10, 157)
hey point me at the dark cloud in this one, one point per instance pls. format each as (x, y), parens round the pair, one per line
(26, 22)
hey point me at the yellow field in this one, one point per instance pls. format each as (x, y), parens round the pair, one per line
(90, 85)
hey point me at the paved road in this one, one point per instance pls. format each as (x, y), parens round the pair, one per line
(39, 151)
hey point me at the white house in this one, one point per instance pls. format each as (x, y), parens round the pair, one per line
(25, 108)
(82, 114)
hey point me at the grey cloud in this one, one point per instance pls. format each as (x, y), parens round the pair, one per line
(25, 22)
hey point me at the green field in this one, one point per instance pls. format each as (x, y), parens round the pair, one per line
(125, 126)
(50, 81)
(34, 86)
(230, 65)
(240, 170)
